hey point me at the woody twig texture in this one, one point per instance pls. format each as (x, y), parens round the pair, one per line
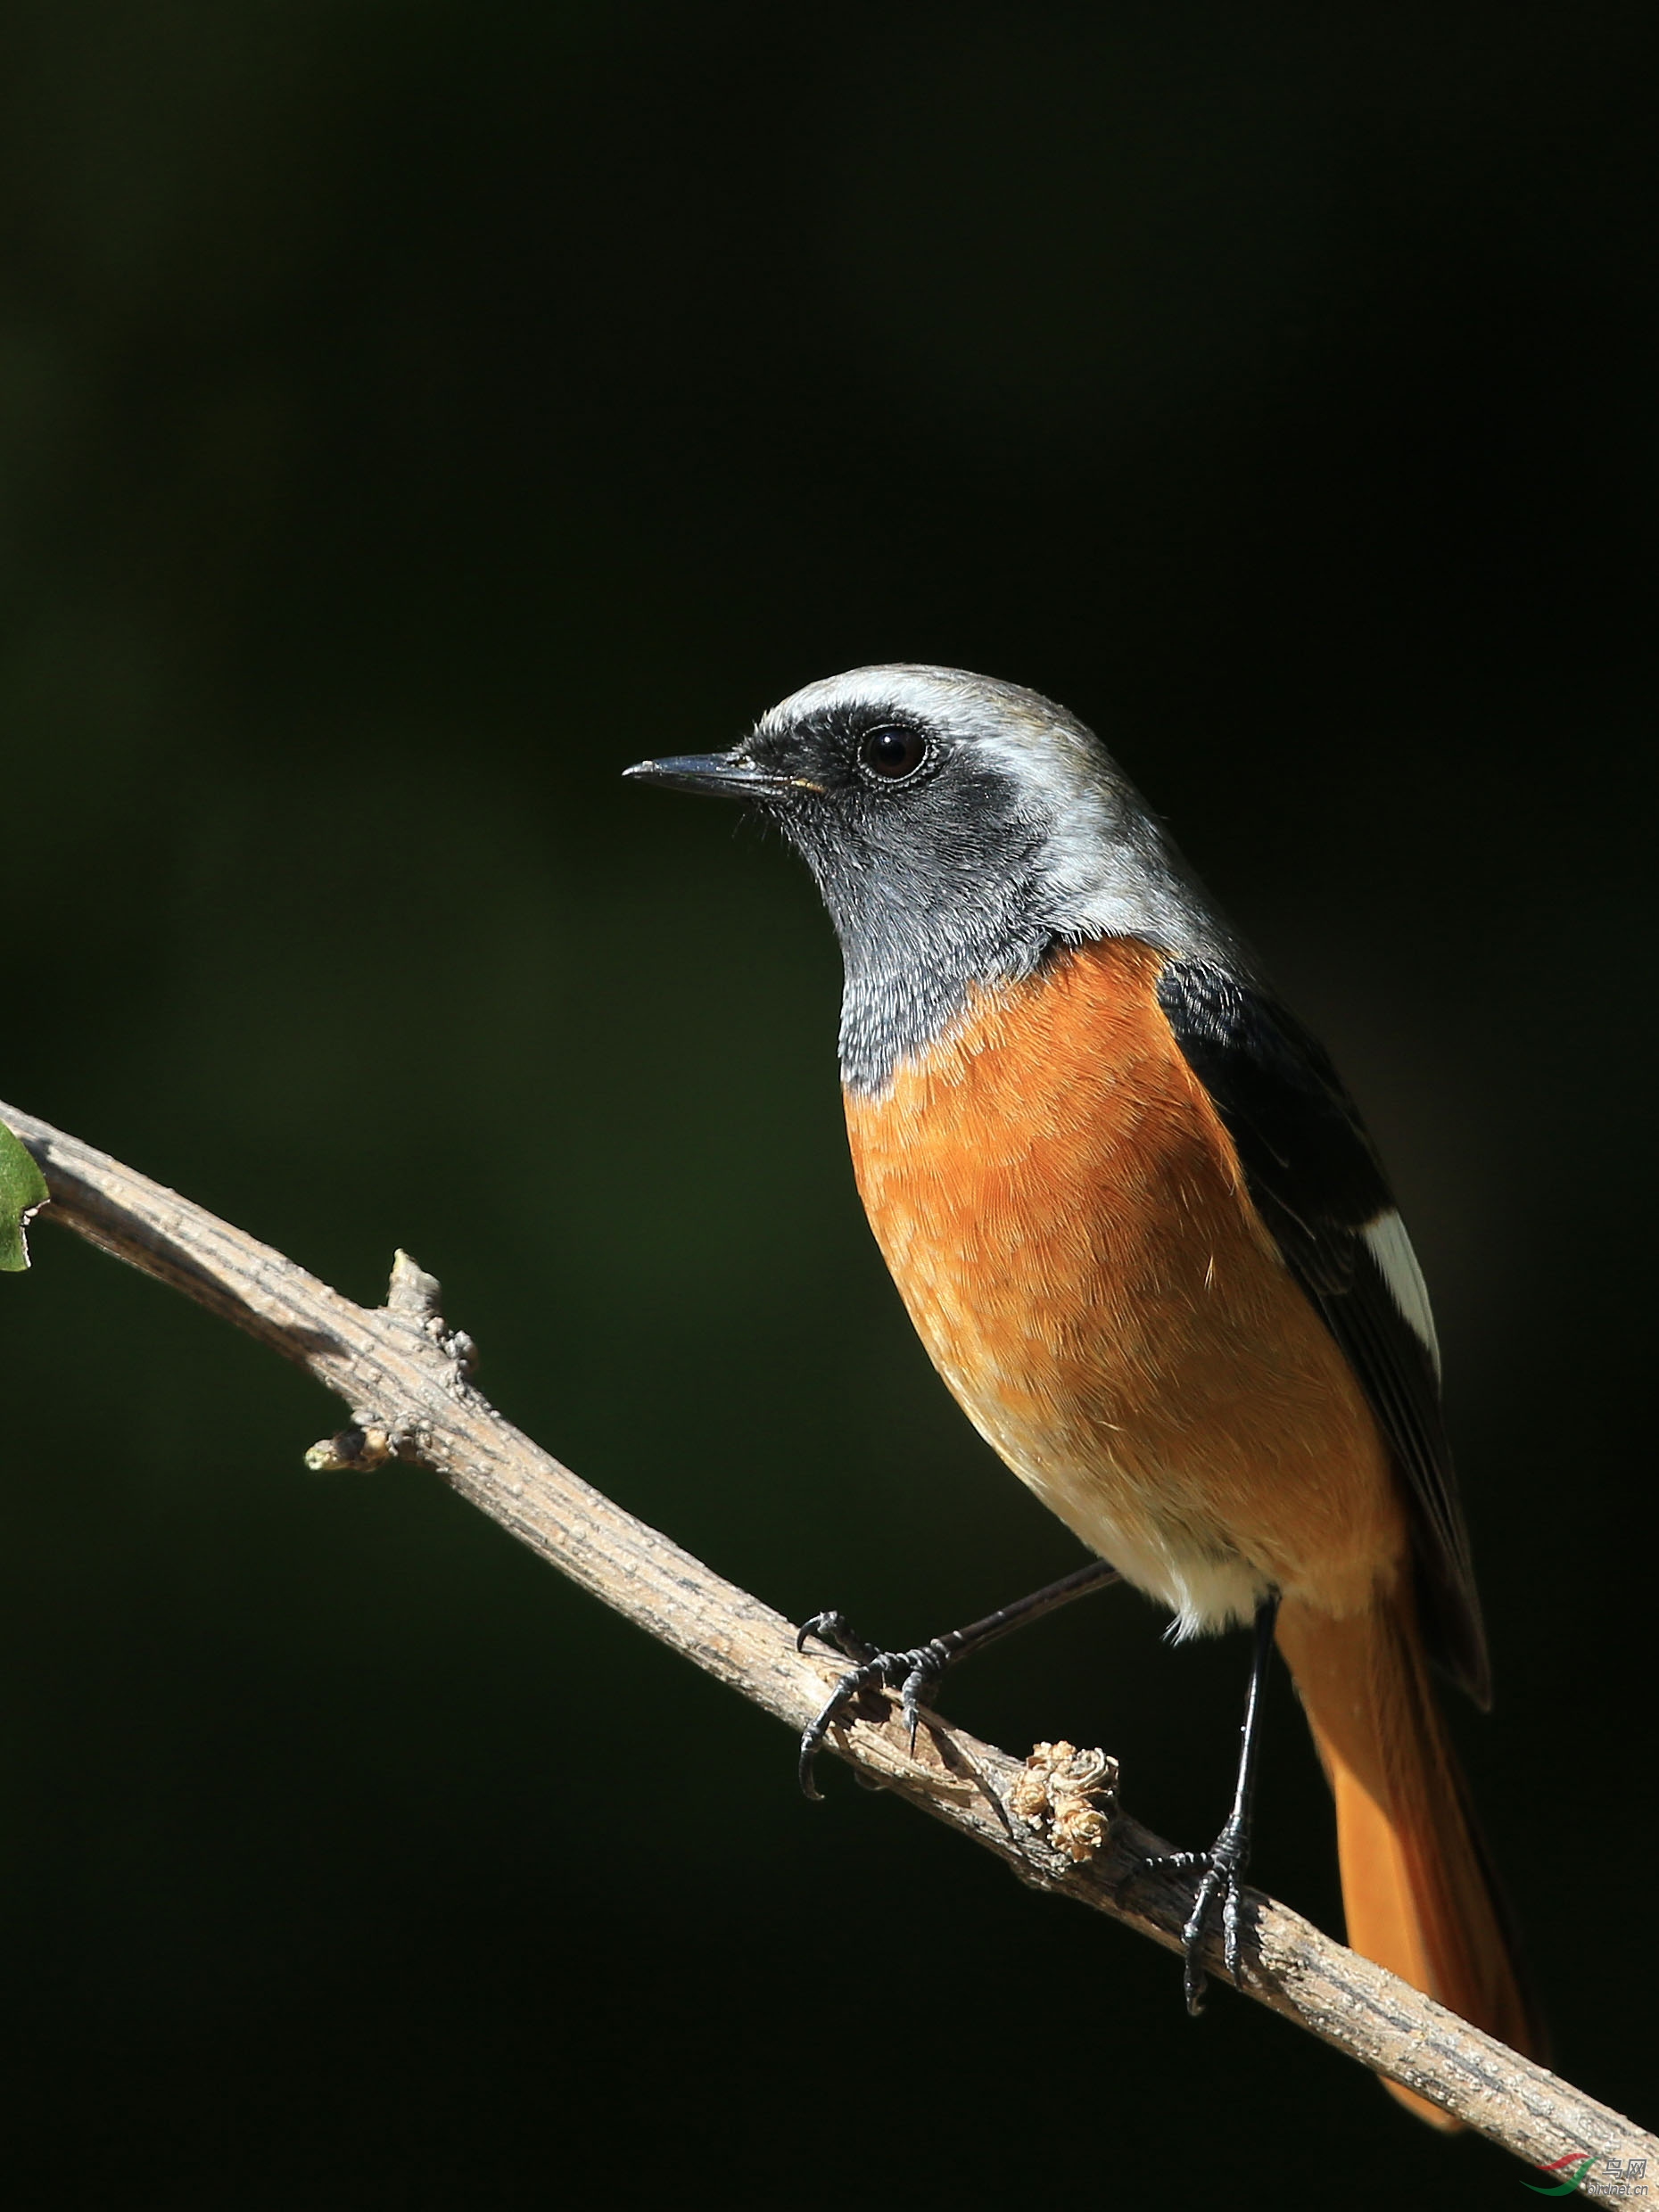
(403, 1375)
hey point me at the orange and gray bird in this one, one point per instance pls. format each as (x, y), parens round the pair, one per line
(1147, 1242)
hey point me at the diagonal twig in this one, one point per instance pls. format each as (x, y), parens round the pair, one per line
(404, 1375)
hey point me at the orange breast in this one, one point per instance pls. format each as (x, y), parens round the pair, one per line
(1064, 1215)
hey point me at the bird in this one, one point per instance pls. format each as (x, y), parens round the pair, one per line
(1142, 1231)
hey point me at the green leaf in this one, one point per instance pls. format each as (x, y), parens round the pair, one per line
(23, 1188)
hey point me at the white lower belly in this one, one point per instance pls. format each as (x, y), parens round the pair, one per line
(1207, 1590)
(1206, 1584)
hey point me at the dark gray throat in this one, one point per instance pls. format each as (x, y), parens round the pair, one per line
(907, 982)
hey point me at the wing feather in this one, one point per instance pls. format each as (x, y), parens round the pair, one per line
(1316, 1179)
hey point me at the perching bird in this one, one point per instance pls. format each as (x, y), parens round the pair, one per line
(1147, 1242)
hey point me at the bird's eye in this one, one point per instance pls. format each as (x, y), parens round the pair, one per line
(892, 752)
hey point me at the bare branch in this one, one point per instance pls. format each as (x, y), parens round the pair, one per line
(404, 1373)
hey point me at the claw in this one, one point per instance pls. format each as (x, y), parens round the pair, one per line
(851, 1686)
(1220, 1870)
(912, 1674)
(833, 1628)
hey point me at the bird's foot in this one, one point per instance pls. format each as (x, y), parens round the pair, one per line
(912, 1675)
(1220, 1890)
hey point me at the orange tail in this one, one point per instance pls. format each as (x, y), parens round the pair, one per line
(1417, 1889)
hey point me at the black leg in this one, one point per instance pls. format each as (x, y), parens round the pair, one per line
(1223, 1863)
(915, 1674)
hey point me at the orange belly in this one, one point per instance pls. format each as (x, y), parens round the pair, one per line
(1064, 1216)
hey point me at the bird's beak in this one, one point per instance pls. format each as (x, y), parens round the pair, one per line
(713, 775)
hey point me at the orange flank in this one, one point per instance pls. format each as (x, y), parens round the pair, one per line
(1066, 1219)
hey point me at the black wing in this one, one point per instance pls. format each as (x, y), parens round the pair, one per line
(1318, 1183)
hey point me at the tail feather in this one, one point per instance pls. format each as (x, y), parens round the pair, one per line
(1418, 1889)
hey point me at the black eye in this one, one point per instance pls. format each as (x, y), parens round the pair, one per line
(892, 752)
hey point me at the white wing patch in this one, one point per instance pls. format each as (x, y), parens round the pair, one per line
(1390, 1247)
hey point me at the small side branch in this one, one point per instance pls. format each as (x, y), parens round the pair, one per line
(404, 1374)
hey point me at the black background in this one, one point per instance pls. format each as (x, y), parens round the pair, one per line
(412, 415)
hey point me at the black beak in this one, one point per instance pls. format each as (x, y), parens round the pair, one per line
(713, 775)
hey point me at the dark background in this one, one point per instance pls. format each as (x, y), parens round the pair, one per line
(415, 413)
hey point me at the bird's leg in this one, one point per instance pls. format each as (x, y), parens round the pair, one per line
(915, 1674)
(1222, 1866)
